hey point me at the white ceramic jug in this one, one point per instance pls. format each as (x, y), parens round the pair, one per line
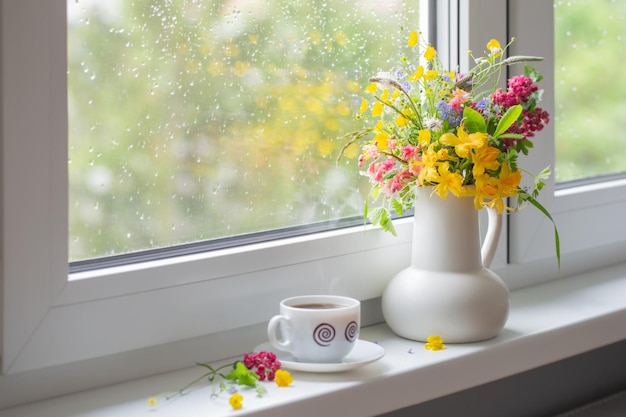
(448, 290)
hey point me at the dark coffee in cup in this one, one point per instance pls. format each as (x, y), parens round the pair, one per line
(319, 306)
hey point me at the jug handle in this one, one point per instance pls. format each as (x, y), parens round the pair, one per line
(491, 238)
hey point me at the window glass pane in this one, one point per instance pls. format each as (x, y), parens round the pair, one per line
(589, 88)
(193, 120)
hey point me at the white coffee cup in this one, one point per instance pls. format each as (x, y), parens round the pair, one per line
(316, 328)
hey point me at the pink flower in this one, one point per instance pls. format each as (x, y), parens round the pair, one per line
(377, 170)
(397, 183)
(519, 92)
(362, 159)
(522, 87)
(504, 100)
(532, 121)
(409, 152)
(459, 97)
(266, 364)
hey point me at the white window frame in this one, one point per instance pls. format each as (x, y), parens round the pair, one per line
(590, 216)
(49, 320)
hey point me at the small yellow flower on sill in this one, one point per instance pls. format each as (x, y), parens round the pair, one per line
(152, 401)
(434, 343)
(283, 378)
(235, 401)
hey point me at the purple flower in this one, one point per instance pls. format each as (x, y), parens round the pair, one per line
(448, 113)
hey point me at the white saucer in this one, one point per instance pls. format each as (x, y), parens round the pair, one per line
(363, 353)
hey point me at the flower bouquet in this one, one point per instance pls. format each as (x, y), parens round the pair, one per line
(459, 134)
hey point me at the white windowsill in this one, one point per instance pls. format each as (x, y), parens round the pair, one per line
(548, 322)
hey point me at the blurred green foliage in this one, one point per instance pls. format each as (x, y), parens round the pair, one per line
(590, 89)
(194, 120)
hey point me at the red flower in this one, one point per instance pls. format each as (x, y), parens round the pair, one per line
(266, 364)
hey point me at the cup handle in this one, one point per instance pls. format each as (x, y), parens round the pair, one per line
(272, 328)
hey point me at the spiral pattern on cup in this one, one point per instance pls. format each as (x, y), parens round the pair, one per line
(352, 330)
(324, 334)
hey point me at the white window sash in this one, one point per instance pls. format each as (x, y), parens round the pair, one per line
(589, 217)
(51, 318)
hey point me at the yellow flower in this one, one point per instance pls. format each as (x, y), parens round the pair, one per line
(494, 47)
(431, 74)
(363, 106)
(509, 181)
(236, 400)
(412, 39)
(496, 189)
(283, 378)
(371, 88)
(417, 74)
(484, 159)
(377, 109)
(486, 187)
(401, 121)
(152, 401)
(493, 44)
(430, 53)
(381, 139)
(448, 182)
(429, 161)
(424, 137)
(434, 343)
(444, 155)
(464, 143)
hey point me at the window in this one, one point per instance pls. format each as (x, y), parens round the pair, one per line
(589, 88)
(52, 320)
(192, 121)
(586, 214)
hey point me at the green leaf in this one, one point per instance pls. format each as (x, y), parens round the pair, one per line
(380, 217)
(532, 73)
(511, 136)
(523, 146)
(473, 121)
(511, 115)
(491, 125)
(242, 375)
(397, 207)
(557, 240)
